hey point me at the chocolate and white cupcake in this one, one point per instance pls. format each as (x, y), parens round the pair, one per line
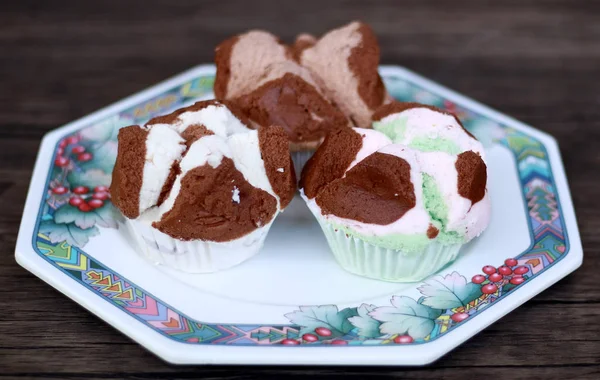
(394, 212)
(260, 75)
(199, 189)
(345, 62)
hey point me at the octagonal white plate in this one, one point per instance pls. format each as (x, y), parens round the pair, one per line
(292, 304)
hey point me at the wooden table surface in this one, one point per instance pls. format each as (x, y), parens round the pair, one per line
(537, 61)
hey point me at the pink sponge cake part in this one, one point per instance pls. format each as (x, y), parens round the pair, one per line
(303, 42)
(251, 60)
(345, 61)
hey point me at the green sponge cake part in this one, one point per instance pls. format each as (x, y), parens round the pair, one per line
(438, 144)
(407, 243)
(450, 238)
(396, 130)
(434, 201)
(425, 128)
(438, 210)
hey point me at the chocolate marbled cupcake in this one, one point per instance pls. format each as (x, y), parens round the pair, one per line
(344, 63)
(259, 74)
(399, 207)
(200, 189)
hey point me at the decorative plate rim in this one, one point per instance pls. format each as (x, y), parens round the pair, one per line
(199, 352)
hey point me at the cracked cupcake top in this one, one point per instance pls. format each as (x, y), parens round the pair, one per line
(309, 88)
(425, 178)
(259, 73)
(200, 173)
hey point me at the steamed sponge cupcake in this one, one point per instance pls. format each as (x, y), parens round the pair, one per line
(394, 212)
(199, 189)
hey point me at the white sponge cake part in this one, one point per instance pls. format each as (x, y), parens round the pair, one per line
(164, 147)
(217, 118)
(247, 157)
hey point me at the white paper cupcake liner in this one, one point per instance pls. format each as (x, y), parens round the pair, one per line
(300, 159)
(194, 256)
(365, 259)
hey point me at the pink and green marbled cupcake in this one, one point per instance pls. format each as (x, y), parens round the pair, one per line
(397, 203)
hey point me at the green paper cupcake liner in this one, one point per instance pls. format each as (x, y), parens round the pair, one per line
(365, 259)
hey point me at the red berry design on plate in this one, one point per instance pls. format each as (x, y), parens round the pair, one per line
(459, 317)
(310, 337)
(60, 151)
(101, 189)
(72, 140)
(339, 342)
(323, 331)
(517, 280)
(60, 190)
(95, 203)
(81, 190)
(495, 277)
(511, 262)
(101, 196)
(504, 270)
(83, 157)
(77, 149)
(489, 289)
(403, 339)
(521, 270)
(61, 161)
(84, 207)
(488, 269)
(478, 279)
(75, 201)
(290, 342)
(448, 105)
(63, 143)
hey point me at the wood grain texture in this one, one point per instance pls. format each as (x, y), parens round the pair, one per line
(538, 61)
